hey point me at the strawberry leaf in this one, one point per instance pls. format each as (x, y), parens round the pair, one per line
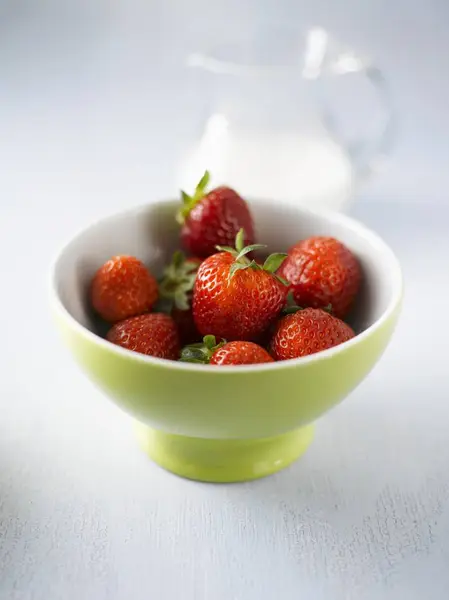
(227, 249)
(209, 341)
(271, 265)
(282, 280)
(186, 199)
(189, 202)
(237, 267)
(178, 260)
(249, 249)
(195, 355)
(291, 307)
(177, 282)
(291, 310)
(181, 216)
(273, 262)
(201, 352)
(290, 299)
(255, 266)
(240, 240)
(203, 182)
(181, 301)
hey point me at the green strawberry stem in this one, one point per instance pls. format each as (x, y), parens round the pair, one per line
(271, 264)
(177, 282)
(188, 202)
(202, 352)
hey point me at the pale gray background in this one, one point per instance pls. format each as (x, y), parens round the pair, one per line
(94, 92)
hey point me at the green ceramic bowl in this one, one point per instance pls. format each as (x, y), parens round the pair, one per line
(233, 423)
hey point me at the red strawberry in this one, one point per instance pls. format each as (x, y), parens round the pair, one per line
(240, 353)
(225, 353)
(322, 271)
(154, 334)
(123, 287)
(235, 298)
(213, 219)
(306, 332)
(176, 291)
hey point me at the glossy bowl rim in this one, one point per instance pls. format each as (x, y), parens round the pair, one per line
(329, 215)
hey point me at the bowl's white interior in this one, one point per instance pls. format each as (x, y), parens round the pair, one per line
(151, 234)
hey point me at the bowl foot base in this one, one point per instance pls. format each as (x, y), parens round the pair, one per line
(223, 461)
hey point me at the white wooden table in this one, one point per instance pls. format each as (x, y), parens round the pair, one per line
(83, 514)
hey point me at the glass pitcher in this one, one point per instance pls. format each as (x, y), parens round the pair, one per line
(274, 119)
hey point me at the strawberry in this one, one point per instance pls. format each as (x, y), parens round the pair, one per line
(225, 353)
(322, 271)
(306, 332)
(240, 353)
(176, 290)
(123, 287)
(154, 334)
(235, 298)
(213, 219)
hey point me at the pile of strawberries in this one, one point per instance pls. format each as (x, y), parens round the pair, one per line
(221, 305)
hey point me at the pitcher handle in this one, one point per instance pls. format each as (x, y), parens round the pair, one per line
(326, 57)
